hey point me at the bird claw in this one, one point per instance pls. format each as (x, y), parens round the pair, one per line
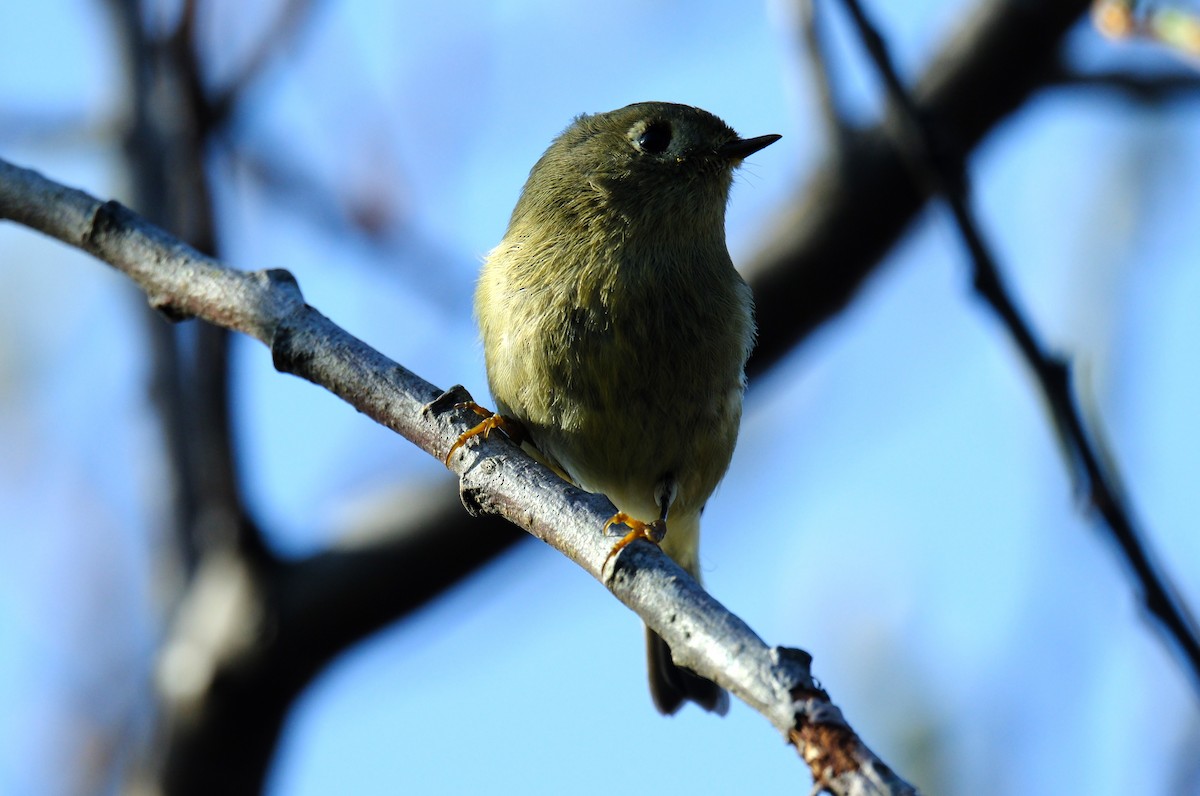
(510, 426)
(652, 532)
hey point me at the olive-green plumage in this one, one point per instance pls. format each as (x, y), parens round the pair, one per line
(616, 328)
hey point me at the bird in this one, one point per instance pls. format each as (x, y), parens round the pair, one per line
(616, 329)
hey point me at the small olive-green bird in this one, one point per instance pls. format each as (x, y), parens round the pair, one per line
(616, 329)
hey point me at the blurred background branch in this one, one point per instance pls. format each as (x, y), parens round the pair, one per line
(1144, 89)
(835, 232)
(1099, 484)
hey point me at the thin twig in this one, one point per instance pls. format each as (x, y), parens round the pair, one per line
(817, 55)
(1146, 89)
(279, 35)
(949, 175)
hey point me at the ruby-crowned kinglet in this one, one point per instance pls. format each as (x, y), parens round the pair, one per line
(616, 329)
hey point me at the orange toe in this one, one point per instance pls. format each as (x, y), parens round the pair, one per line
(652, 532)
(510, 426)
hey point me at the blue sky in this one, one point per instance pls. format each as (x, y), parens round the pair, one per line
(897, 505)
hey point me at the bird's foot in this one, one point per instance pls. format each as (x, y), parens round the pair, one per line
(511, 427)
(652, 532)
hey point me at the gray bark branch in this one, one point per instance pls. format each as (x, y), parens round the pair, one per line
(496, 478)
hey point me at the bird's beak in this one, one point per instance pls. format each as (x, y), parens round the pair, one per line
(740, 148)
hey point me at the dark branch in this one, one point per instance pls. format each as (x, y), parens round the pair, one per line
(281, 33)
(1157, 89)
(948, 173)
(829, 239)
(816, 54)
(165, 149)
(318, 608)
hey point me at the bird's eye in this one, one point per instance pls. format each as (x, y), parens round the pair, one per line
(655, 138)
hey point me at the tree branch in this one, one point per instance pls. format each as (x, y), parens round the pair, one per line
(1155, 89)
(279, 35)
(948, 174)
(302, 615)
(164, 147)
(831, 237)
(496, 478)
(815, 50)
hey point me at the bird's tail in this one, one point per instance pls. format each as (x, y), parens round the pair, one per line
(672, 685)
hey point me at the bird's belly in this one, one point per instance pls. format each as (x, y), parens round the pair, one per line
(653, 432)
(622, 390)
